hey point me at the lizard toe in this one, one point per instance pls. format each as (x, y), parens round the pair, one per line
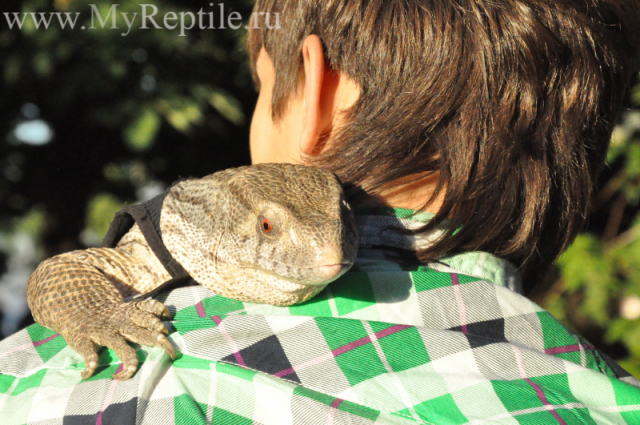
(149, 337)
(154, 307)
(146, 320)
(89, 352)
(160, 327)
(127, 355)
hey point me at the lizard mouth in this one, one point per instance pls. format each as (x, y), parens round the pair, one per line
(305, 276)
(327, 273)
(297, 285)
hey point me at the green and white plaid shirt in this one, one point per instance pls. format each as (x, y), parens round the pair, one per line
(449, 343)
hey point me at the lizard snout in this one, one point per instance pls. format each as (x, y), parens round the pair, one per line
(330, 273)
(332, 263)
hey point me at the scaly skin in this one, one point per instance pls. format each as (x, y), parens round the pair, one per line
(215, 228)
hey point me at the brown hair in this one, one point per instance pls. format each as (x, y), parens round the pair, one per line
(511, 102)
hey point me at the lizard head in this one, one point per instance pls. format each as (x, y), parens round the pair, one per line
(268, 233)
(290, 225)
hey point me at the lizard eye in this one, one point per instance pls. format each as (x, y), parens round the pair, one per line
(266, 226)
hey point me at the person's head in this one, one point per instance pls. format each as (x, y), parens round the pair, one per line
(508, 104)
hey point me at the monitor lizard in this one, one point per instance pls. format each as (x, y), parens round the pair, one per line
(267, 233)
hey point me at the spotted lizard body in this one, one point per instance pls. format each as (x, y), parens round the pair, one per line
(268, 233)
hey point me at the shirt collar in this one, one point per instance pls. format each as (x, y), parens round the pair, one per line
(376, 230)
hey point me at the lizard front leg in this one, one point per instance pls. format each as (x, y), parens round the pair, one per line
(71, 295)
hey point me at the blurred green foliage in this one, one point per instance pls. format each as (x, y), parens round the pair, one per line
(125, 111)
(597, 292)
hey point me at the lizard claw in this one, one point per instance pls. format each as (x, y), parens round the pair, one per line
(89, 350)
(89, 368)
(125, 373)
(166, 313)
(166, 345)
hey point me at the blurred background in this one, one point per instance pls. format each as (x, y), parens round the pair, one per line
(93, 120)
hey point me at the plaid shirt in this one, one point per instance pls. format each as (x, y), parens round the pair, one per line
(450, 343)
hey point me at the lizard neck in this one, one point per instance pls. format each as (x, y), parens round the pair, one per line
(192, 224)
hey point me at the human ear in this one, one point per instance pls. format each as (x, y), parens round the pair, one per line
(320, 86)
